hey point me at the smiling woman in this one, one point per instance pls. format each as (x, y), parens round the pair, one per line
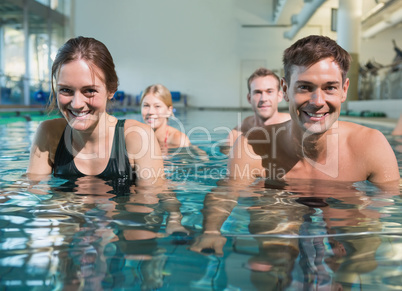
(88, 141)
(156, 109)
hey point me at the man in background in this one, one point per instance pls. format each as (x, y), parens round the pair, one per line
(313, 144)
(264, 95)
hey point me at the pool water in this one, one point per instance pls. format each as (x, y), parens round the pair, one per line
(86, 235)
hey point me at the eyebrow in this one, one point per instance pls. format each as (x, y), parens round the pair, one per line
(301, 82)
(84, 87)
(155, 103)
(333, 83)
(265, 89)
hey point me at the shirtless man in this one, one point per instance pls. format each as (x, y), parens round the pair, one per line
(314, 144)
(264, 94)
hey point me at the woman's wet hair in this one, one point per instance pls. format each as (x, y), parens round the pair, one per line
(94, 53)
(312, 49)
(159, 91)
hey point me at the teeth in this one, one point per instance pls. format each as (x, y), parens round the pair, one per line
(315, 115)
(80, 113)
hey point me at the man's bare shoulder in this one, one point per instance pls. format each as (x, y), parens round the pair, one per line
(362, 139)
(373, 151)
(262, 140)
(267, 132)
(238, 130)
(247, 124)
(357, 131)
(244, 161)
(283, 116)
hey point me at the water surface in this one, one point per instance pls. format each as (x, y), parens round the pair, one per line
(87, 235)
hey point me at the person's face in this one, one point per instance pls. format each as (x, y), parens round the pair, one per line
(264, 96)
(315, 95)
(81, 94)
(154, 112)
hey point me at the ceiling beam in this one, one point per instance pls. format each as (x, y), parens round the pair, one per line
(300, 20)
(278, 8)
(383, 16)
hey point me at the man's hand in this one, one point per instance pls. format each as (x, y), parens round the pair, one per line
(208, 242)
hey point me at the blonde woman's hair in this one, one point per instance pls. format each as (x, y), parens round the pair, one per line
(159, 91)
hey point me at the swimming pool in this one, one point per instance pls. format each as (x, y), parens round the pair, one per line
(59, 235)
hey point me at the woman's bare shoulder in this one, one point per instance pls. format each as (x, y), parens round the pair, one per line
(136, 133)
(132, 126)
(140, 140)
(52, 127)
(48, 135)
(53, 123)
(178, 138)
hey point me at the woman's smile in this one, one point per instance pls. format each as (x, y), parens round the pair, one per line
(82, 96)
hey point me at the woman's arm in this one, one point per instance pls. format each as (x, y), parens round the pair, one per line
(43, 149)
(178, 139)
(144, 152)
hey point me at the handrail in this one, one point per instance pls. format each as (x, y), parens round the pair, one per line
(11, 77)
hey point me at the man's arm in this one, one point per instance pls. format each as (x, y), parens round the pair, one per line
(218, 206)
(245, 126)
(398, 128)
(233, 135)
(244, 164)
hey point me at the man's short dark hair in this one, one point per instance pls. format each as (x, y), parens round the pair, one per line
(312, 49)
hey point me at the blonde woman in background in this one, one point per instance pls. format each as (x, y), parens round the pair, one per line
(156, 108)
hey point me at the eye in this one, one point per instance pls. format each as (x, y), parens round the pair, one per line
(304, 88)
(90, 92)
(145, 105)
(65, 91)
(331, 88)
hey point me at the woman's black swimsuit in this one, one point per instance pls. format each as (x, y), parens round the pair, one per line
(117, 169)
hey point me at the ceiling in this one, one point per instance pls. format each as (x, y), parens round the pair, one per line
(12, 14)
(377, 15)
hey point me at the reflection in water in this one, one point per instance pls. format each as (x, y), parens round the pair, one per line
(91, 234)
(90, 237)
(305, 239)
(117, 244)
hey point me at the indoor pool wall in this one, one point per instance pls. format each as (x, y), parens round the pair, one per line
(58, 236)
